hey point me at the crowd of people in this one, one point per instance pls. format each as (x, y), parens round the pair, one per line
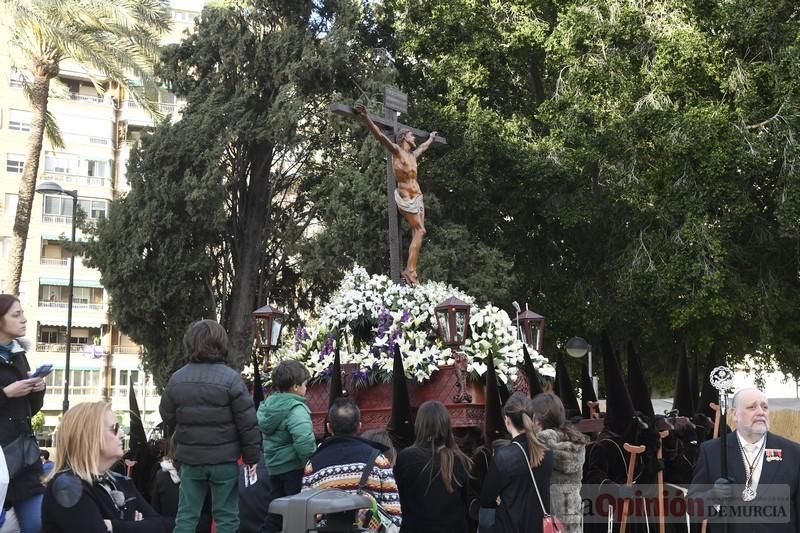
(227, 459)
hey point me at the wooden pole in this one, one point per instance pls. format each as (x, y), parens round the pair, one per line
(662, 524)
(634, 451)
(717, 421)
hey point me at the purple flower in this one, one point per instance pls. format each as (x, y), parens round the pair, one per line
(327, 348)
(300, 336)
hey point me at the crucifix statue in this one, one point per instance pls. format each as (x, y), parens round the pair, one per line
(403, 191)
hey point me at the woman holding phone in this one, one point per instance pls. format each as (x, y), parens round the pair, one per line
(21, 397)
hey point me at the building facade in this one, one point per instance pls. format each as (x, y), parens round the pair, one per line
(98, 131)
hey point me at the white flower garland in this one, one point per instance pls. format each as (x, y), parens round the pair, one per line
(374, 313)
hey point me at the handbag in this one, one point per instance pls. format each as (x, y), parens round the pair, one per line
(20, 453)
(375, 518)
(550, 523)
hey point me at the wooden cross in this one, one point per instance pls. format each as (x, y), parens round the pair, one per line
(394, 103)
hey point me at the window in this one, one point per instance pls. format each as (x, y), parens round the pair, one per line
(126, 377)
(57, 205)
(17, 79)
(63, 163)
(94, 209)
(15, 163)
(52, 334)
(97, 168)
(19, 120)
(10, 205)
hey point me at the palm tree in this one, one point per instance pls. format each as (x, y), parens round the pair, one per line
(115, 40)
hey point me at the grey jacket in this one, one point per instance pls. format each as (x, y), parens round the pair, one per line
(213, 415)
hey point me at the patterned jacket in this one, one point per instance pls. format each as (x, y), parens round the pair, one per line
(339, 463)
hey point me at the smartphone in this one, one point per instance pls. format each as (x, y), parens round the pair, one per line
(42, 371)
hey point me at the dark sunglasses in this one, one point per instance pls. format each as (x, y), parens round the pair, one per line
(115, 428)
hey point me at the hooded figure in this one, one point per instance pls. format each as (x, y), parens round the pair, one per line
(564, 390)
(587, 391)
(493, 425)
(335, 388)
(606, 464)
(637, 386)
(401, 423)
(619, 407)
(534, 382)
(683, 401)
(707, 392)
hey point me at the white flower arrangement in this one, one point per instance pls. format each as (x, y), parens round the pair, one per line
(373, 313)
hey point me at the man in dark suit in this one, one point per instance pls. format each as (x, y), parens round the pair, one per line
(761, 491)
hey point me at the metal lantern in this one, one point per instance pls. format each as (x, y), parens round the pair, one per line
(452, 316)
(531, 328)
(267, 325)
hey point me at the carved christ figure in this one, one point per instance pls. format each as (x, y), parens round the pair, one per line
(407, 195)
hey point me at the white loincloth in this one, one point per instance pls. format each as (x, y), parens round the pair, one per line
(412, 206)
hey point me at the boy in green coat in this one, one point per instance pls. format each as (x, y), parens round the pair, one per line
(288, 436)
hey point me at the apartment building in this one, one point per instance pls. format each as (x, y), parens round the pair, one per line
(98, 132)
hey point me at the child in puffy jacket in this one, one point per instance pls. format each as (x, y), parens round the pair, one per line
(288, 436)
(207, 403)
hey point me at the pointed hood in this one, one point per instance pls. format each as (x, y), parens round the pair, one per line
(335, 388)
(619, 408)
(493, 425)
(401, 424)
(707, 391)
(564, 390)
(534, 383)
(587, 390)
(694, 373)
(138, 438)
(637, 385)
(683, 399)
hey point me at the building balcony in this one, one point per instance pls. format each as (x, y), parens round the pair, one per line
(57, 219)
(96, 391)
(77, 179)
(125, 349)
(53, 261)
(75, 305)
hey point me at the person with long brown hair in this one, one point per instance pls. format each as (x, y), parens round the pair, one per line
(21, 397)
(432, 476)
(569, 452)
(509, 478)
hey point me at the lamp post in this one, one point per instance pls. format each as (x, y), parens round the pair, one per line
(51, 187)
(267, 325)
(531, 328)
(577, 347)
(452, 316)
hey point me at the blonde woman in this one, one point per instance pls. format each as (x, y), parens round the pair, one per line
(82, 493)
(509, 478)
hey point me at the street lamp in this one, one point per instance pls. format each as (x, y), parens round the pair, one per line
(531, 328)
(577, 347)
(452, 316)
(51, 187)
(267, 325)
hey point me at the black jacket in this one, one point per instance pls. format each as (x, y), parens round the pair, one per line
(427, 506)
(15, 419)
(254, 499)
(71, 504)
(213, 415)
(509, 478)
(164, 499)
(778, 485)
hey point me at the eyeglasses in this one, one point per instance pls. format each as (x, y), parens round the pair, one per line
(115, 428)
